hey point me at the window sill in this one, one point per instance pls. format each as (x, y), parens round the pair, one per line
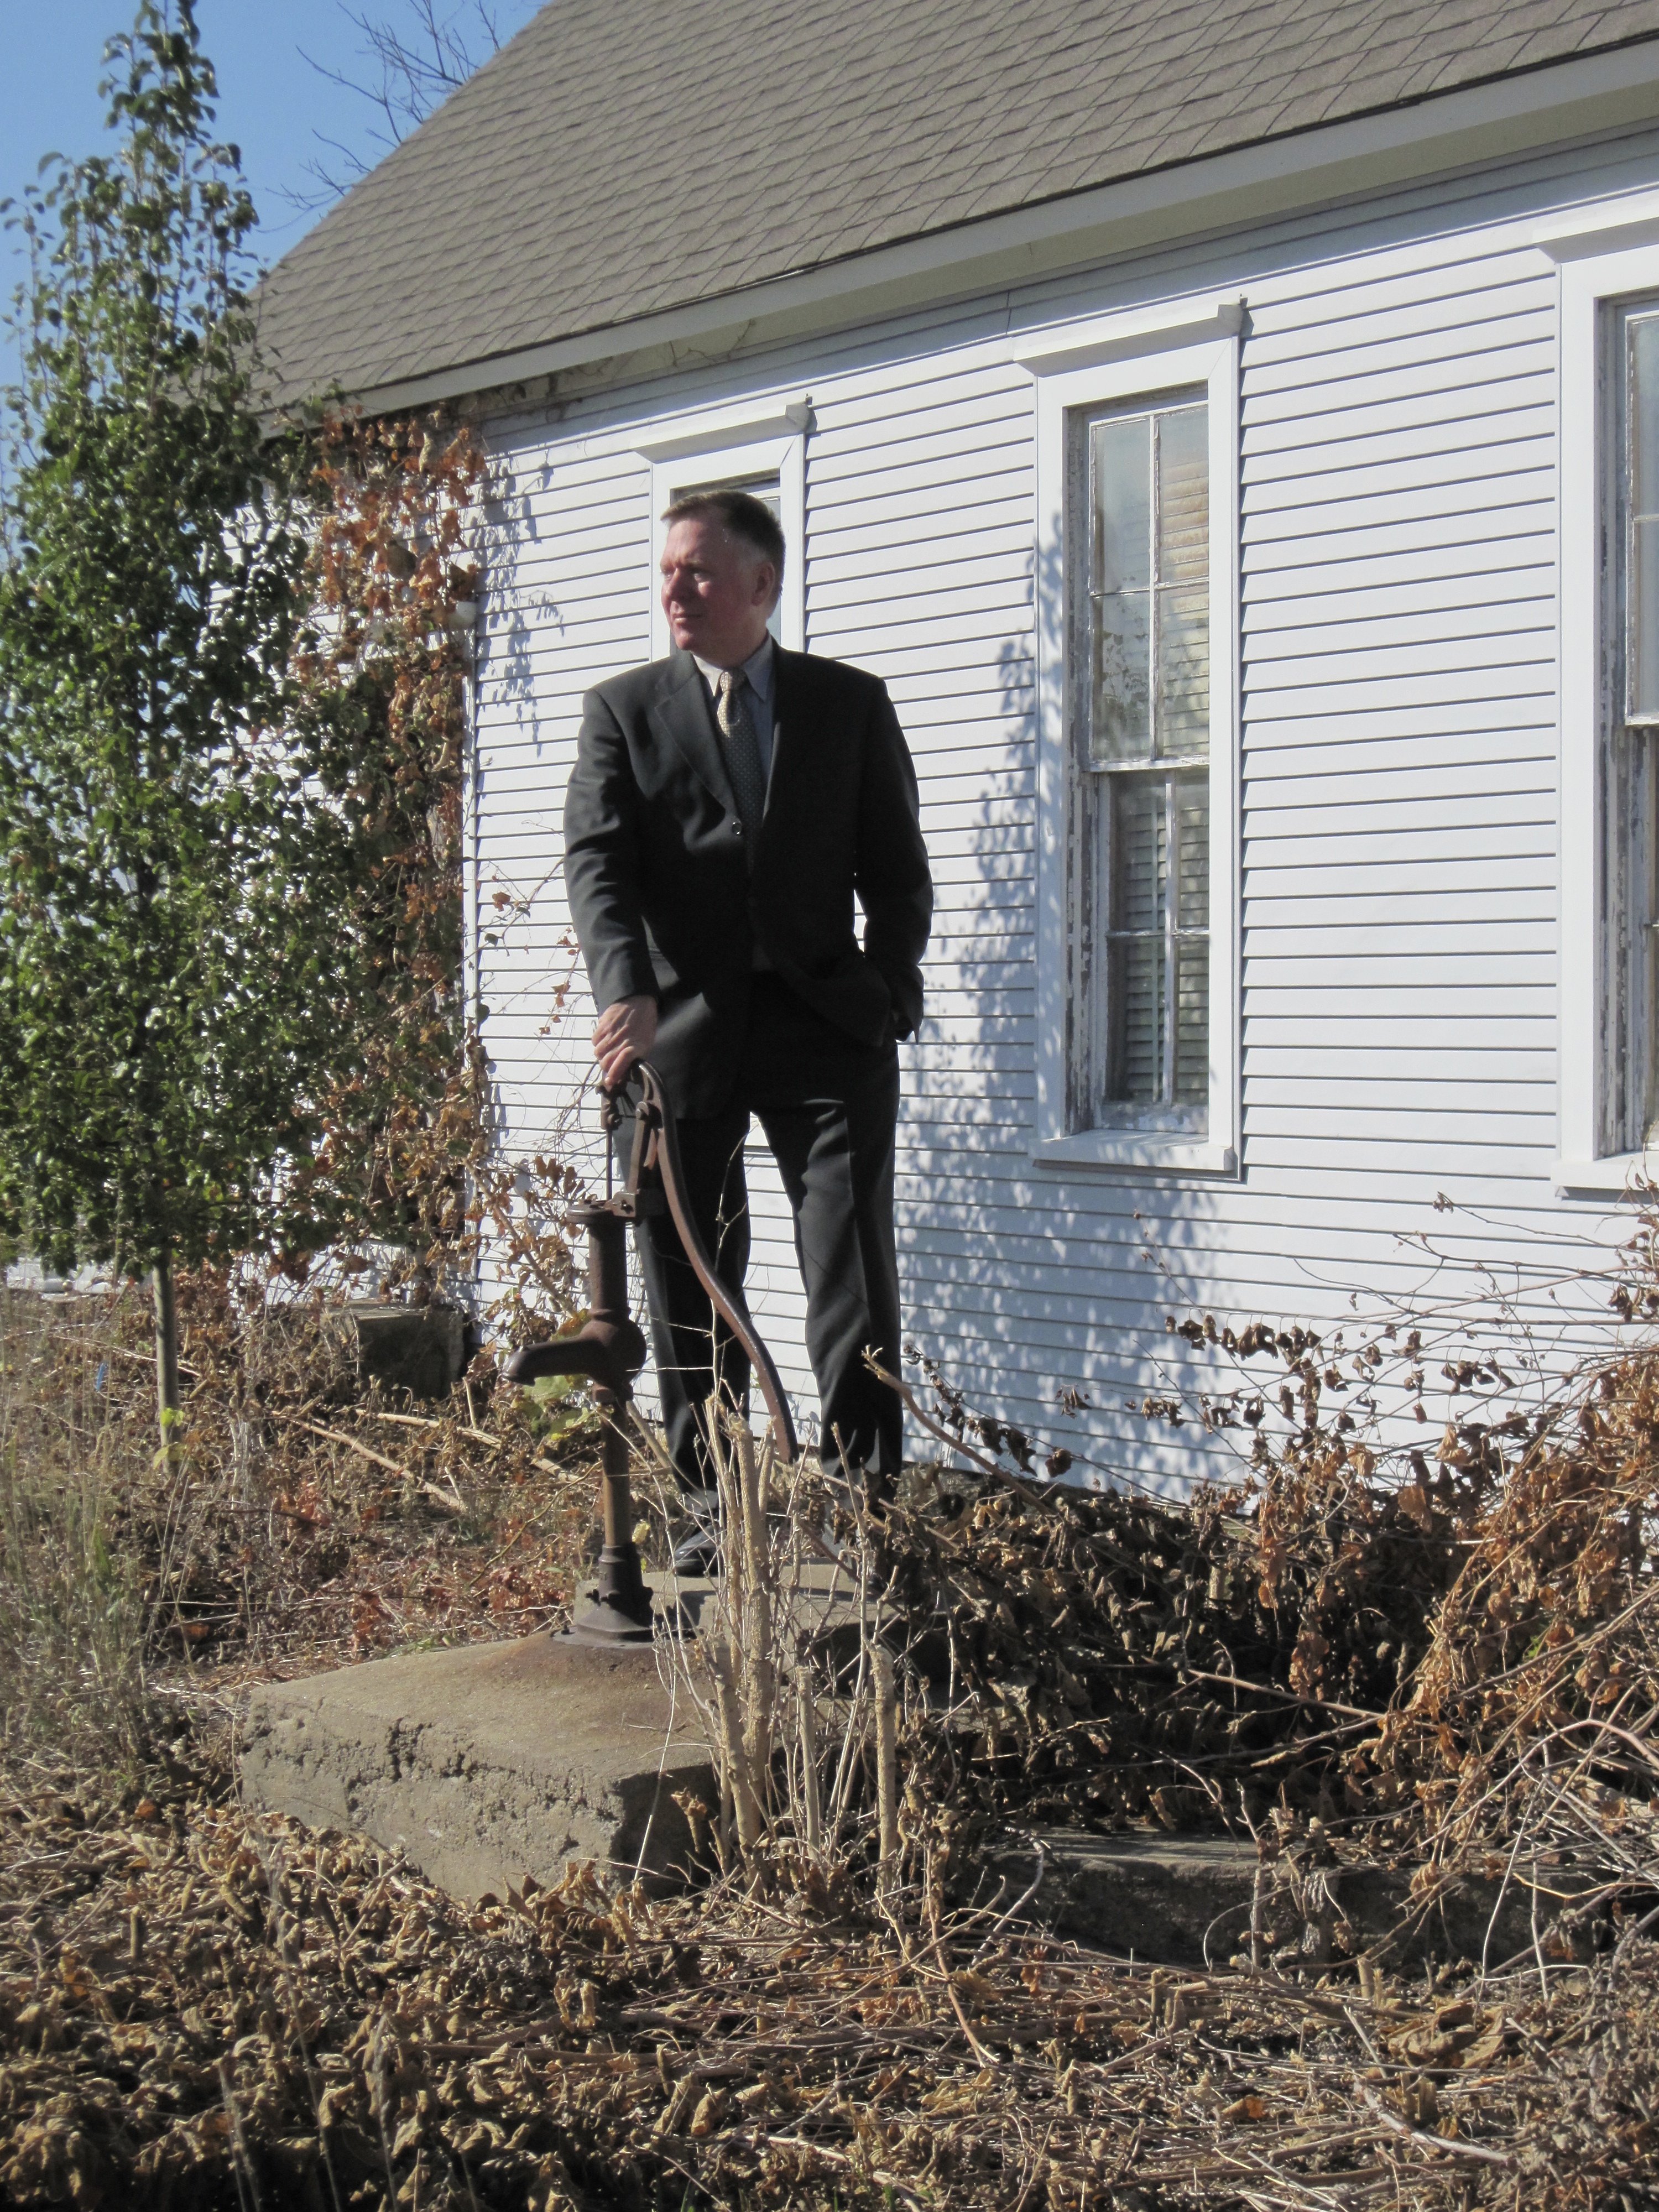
(1104, 1150)
(1615, 1173)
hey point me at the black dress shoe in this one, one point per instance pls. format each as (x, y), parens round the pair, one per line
(698, 1554)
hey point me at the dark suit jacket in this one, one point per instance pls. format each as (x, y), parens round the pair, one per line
(668, 900)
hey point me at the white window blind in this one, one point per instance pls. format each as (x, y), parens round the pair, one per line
(1139, 485)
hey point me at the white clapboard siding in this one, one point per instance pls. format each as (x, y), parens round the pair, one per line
(1399, 833)
(1488, 607)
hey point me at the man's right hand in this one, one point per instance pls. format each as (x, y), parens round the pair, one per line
(625, 1032)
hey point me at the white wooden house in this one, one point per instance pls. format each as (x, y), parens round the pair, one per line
(1232, 431)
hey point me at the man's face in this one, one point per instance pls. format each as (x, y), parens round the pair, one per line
(717, 591)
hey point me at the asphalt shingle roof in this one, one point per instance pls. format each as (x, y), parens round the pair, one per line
(621, 157)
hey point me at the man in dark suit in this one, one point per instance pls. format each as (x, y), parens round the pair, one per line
(727, 806)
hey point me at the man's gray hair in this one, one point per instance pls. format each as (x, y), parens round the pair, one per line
(742, 514)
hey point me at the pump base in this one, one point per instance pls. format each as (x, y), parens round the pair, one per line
(606, 1624)
(620, 1611)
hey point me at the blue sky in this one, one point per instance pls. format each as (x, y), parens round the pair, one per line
(271, 103)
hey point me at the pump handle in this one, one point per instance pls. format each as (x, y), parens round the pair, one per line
(662, 1152)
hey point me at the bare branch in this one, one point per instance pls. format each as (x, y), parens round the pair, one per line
(404, 66)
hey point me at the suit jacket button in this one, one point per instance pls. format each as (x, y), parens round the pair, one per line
(737, 828)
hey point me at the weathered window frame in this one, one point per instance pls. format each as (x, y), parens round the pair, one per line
(1594, 285)
(1189, 348)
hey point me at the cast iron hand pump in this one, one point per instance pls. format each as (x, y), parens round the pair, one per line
(609, 1349)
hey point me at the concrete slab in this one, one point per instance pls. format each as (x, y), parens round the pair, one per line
(490, 1761)
(420, 1349)
(1158, 1896)
(1163, 1896)
(817, 1598)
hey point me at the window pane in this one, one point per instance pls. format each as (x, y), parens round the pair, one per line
(1642, 584)
(1181, 710)
(1139, 855)
(1192, 877)
(1123, 507)
(1137, 990)
(1183, 497)
(1192, 1075)
(1642, 659)
(1123, 707)
(1136, 979)
(1192, 1068)
(1121, 477)
(1183, 670)
(764, 489)
(1645, 414)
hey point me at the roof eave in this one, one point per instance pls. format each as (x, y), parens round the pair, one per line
(1603, 93)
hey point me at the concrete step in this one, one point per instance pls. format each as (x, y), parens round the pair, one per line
(490, 1761)
(1173, 1899)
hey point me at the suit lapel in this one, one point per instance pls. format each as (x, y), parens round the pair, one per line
(681, 711)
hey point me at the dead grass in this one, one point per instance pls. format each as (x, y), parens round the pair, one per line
(300, 1523)
(202, 2009)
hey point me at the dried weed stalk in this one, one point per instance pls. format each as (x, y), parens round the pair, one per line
(301, 1522)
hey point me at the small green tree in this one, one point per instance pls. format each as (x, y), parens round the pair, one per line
(171, 961)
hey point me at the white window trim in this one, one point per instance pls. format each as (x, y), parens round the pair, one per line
(1589, 280)
(1131, 358)
(1129, 334)
(1602, 228)
(772, 442)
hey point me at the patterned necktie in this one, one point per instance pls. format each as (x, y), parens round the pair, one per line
(743, 760)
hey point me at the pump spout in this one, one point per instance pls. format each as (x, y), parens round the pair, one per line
(608, 1352)
(609, 1348)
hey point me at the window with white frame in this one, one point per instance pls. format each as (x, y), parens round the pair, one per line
(1609, 447)
(1630, 918)
(764, 452)
(1137, 490)
(1137, 1046)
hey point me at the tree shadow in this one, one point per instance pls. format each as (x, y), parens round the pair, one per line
(1036, 1287)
